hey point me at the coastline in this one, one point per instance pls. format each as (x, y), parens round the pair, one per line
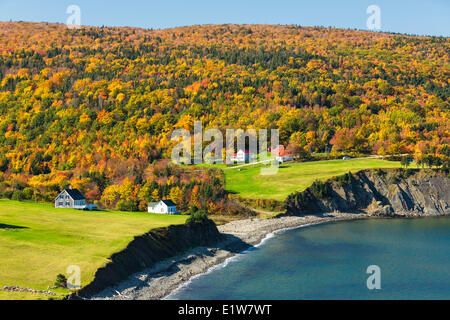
(366, 194)
(165, 278)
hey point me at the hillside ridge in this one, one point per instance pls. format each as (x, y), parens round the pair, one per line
(96, 107)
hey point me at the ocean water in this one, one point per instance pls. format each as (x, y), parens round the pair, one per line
(330, 261)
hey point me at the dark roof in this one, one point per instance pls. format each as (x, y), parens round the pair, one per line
(75, 194)
(169, 203)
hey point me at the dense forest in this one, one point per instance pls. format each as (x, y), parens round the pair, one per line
(95, 107)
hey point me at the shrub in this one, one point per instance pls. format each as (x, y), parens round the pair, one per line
(61, 281)
(127, 205)
(405, 161)
(17, 195)
(197, 217)
(28, 193)
(320, 189)
(268, 204)
(7, 194)
(301, 199)
(345, 179)
(192, 210)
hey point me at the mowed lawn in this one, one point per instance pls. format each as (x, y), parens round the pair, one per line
(248, 183)
(37, 242)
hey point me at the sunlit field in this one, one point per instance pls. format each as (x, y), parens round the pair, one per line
(248, 183)
(38, 242)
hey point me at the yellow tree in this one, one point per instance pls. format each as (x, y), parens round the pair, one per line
(155, 195)
(176, 195)
(195, 197)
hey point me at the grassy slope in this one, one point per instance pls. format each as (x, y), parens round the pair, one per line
(248, 182)
(53, 239)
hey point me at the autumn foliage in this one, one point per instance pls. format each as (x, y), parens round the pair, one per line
(96, 107)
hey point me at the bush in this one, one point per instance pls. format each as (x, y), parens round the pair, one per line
(197, 217)
(267, 204)
(127, 205)
(405, 161)
(17, 195)
(7, 195)
(301, 199)
(345, 179)
(61, 281)
(28, 193)
(320, 189)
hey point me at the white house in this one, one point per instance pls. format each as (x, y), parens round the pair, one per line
(243, 156)
(284, 158)
(74, 199)
(163, 206)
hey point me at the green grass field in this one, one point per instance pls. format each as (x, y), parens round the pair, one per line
(248, 183)
(38, 242)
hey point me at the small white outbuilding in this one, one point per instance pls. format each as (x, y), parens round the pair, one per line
(163, 207)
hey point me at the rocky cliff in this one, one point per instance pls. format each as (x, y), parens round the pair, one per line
(148, 249)
(390, 192)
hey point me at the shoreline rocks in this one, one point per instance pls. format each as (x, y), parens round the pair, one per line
(19, 289)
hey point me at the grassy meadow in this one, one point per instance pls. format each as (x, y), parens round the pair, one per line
(293, 176)
(38, 242)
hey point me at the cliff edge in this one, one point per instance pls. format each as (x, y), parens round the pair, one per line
(381, 192)
(148, 249)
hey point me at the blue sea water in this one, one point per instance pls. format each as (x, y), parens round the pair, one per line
(329, 261)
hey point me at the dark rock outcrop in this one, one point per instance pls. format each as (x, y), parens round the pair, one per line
(148, 249)
(388, 192)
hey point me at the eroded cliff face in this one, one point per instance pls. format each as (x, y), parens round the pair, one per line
(390, 192)
(150, 248)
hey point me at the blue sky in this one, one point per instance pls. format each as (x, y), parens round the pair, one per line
(415, 17)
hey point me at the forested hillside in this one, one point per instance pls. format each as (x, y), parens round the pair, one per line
(96, 107)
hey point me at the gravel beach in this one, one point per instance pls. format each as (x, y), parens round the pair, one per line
(158, 282)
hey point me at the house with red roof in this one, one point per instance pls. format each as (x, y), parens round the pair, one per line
(281, 155)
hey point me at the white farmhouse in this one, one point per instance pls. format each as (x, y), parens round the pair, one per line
(243, 156)
(74, 199)
(163, 206)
